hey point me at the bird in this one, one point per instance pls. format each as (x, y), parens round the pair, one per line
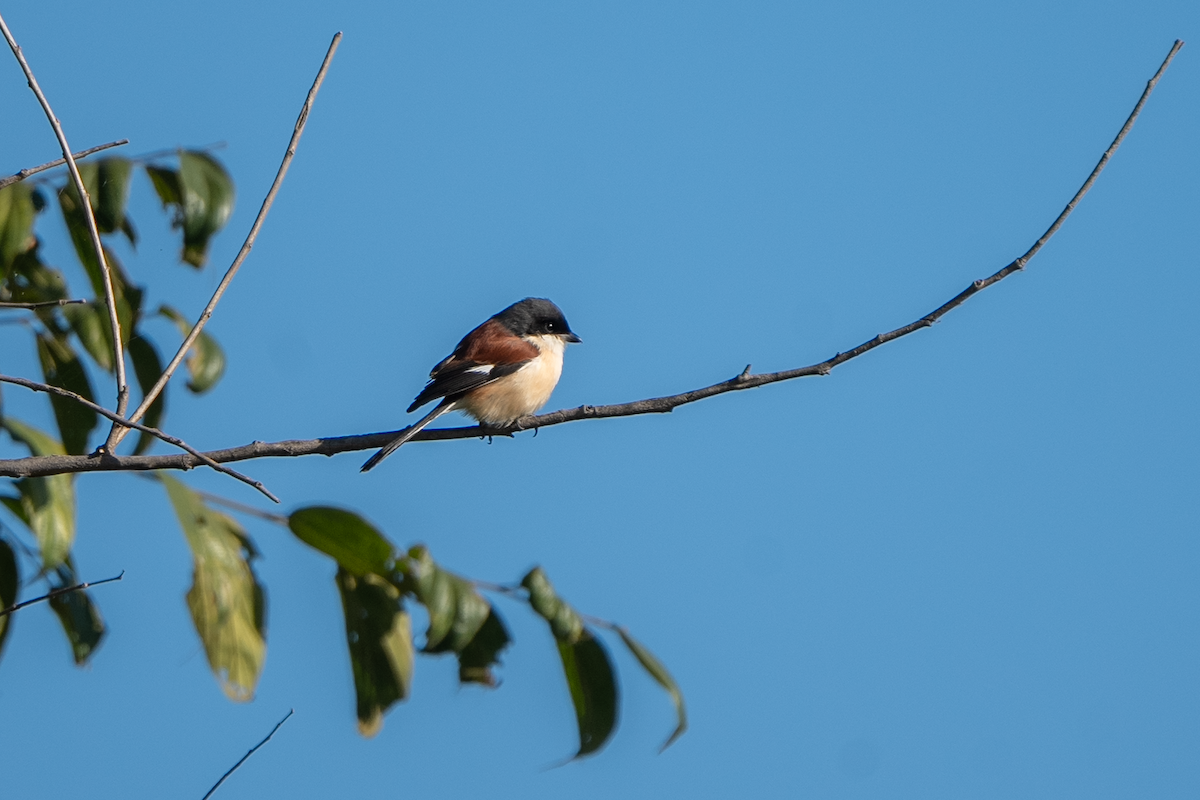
(501, 371)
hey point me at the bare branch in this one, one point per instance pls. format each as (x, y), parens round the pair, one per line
(44, 304)
(58, 162)
(117, 434)
(203, 459)
(93, 231)
(54, 465)
(248, 754)
(57, 592)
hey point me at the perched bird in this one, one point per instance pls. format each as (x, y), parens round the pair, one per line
(503, 370)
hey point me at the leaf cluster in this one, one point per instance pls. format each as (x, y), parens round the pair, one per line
(73, 342)
(377, 582)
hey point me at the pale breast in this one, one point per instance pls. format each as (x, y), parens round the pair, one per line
(523, 392)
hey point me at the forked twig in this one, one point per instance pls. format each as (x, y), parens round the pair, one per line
(94, 232)
(301, 121)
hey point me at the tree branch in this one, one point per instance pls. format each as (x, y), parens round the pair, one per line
(117, 434)
(203, 459)
(248, 754)
(57, 592)
(44, 304)
(54, 465)
(93, 231)
(58, 162)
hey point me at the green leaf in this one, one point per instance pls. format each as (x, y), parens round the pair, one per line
(16, 223)
(379, 638)
(62, 368)
(78, 615)
(128, 296)
(47, 504)
(477, 658)
(205, 361)
(226, 600)
(659, 672)
(14, 505)
(593, 690)
(565, 622)
(10, 583)
(166, 185)
(586, 665)
(107, 184)
(346, 537)
(147, 367)
(461, 621)
(30, 281)
(456, 610)
(207, 201)
(90, 324)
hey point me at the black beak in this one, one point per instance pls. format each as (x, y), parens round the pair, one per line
(572, 338)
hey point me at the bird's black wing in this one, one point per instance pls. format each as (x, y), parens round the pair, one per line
(457, 376)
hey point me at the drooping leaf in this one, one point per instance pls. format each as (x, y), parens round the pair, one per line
(456, 610)
(461, 621)
(205, 360)
(346, 537)
(166, 186)
(660, 674)
(586, 665)
(62, 368)
(78, 615)
(10, 583)
(565, 622)
(147, 367)
(477, 658)
(593, 688)
(107, 184)
(128, 296)
(30, 281)
(85, 250)
(16, 223)
(379, 638)
(47, 504)
(207, 194)
(90, 324)
(226, 600)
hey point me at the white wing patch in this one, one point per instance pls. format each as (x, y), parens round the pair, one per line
(483, 369)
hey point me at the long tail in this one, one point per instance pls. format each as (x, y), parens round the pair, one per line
(391, 447)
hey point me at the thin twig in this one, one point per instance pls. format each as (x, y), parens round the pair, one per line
(57, 592)
(522, 594)
(248, 754)
(174, 151)
(55, 465)
(297, 131)
(44, 304)
(518, 592)
(45, 387)
(241, 508)
(58, 162)
(93, 231)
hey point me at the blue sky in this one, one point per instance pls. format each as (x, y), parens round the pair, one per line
(963, 565)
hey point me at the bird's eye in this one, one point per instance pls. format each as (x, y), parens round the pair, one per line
(549, 326)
